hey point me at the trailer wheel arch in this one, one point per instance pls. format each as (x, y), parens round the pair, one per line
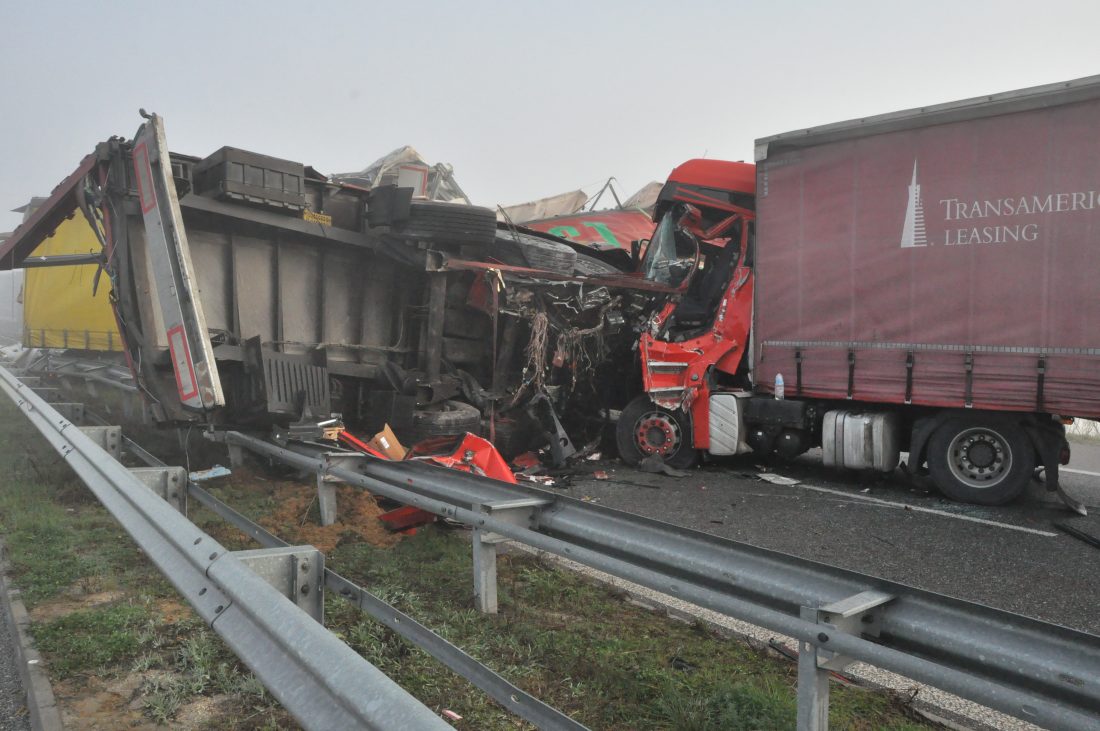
(1047, 440)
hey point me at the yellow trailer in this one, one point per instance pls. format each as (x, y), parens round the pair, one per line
(59, 309)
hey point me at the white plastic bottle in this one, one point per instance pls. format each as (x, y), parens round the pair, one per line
(779, 386)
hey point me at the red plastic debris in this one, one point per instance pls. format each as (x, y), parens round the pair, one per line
(525, 460)
(477, 456)
(406, 519)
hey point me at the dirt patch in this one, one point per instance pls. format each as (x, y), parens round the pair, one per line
(172, 611)
(356, 519)
(74, 601)
(97, 704)
(204, 711)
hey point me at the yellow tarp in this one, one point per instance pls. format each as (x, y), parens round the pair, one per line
(59, 310)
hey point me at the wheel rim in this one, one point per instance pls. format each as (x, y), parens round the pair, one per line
(979, 457)
(656, 432)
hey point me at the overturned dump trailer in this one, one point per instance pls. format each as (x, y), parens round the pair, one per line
(255, 292)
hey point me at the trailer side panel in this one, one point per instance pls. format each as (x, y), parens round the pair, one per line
(949, 265)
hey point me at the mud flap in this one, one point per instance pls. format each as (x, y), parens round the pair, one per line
(1053, 484)
(1071, 502)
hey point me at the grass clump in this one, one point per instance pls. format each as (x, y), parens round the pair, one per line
(91, 639)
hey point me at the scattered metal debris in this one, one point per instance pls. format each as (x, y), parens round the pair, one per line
(1080, 535)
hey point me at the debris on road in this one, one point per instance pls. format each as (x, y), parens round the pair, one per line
(1080, 535)
(656, 465)
(544, 480)
(209, 474)
(777, 479)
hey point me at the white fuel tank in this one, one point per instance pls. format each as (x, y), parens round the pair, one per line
(861, 440)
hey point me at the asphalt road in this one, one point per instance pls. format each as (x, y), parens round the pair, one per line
(13, 712)
(1009, 557)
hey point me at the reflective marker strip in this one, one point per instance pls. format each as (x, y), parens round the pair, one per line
(144, 176)
(181, 362)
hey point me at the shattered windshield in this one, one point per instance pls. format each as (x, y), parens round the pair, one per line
(671, 253)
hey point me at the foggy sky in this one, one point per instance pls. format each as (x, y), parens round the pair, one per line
(525, 99)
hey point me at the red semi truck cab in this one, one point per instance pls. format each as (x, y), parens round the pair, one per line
(920, 282)
(703, 241)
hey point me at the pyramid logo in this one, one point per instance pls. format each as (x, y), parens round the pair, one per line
(912, 233)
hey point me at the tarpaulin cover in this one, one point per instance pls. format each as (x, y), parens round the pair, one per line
(59, 310)
(606, 228)
(441, 184)
(554, 205)
(970, 250)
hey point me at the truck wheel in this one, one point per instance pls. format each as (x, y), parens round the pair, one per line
(645, 429)
(448, 419)
(452, 223)
(983, 461)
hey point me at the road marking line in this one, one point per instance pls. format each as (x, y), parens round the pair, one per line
(1079, 472)
(933, 511)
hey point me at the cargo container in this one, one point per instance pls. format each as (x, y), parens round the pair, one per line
(921, 282)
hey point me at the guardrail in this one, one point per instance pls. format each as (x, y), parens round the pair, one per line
(1036, 671)
(321, 681)
(510, 696)
(1042, 673)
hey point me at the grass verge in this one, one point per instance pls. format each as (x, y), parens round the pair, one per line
(108, 624)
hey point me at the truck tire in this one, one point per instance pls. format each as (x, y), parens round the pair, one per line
(981, 460)
(646, 429)
(538, 252)
(451, 223)
(590, 266)
(448, 419)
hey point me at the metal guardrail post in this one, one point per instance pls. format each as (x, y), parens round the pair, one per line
(485, 569)
(107, 438)
(522, 511)
(321, 681)
(296, 572)
(72, 411)
(326, 483)
(169, 483)
(813, 684)
(855, 616)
